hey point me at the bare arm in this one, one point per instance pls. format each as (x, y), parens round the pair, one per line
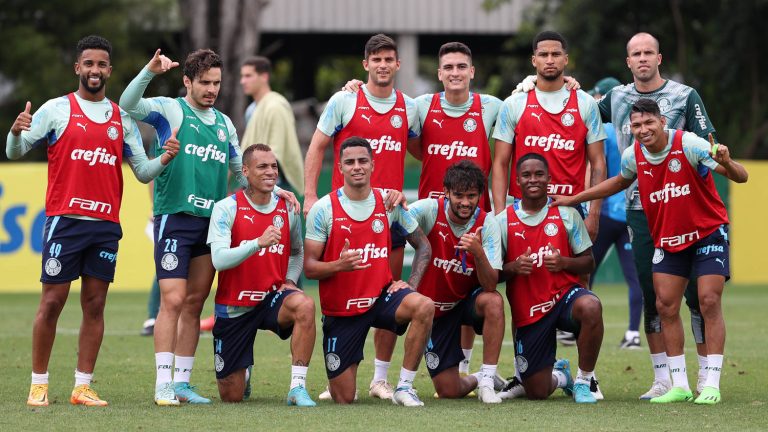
(500, 174)
(728, 167)
(414, 147)
(312, 166)
(419, 241)
(607, 188)
(580, 264)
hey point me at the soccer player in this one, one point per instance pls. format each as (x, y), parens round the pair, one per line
(385, 117)
(347, 248)
(184, 197)
(461, 280)
(674, 176)
(87, 136)
(613, 228)
(256, 245)
(547, 248)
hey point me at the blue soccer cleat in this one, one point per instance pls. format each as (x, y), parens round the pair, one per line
(298, 396)
(564, 366)
(582, 393)
(186, 393)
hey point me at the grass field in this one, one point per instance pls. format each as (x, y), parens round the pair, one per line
(125, 377)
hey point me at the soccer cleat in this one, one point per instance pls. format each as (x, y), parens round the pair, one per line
(326, 395)
(298, 396)
(632, 343)
(594, 387)
(247, 390)
(566, 338)
(84, 395)
(381, 389)
(407, 397)
(708, 396)
(658, 388)
(487, 395)
(675, 394)
(582, 394)
(564, 366)
(514, 389)
(206, 324)
(165, 395)
(186, 393)
(148, 328)
(499, 382)
(38, 395)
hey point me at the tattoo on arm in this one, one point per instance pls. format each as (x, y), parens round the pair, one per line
(419, 241)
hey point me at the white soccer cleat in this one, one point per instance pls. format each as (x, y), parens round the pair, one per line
(513, 390)
(658, 388)
(407, 397)
(326, 395)
(499, 382)
(487, 395)
(594, 388)
(381, 389)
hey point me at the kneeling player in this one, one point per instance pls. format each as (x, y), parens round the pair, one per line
(461, 280)
(547, 248)
(259, 256)
(347, 248)
(689, 227)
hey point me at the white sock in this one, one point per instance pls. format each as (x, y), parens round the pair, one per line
(487, 372)
(715, 366)
(660, 367)
(560, 379)
(630, 334)
(380, 370)
(299, 376)
(584, 377)
(703, 363)
(164, 368)
(678, 372)
(40, 378)
(406, 378)
(82, 378)
(464, 364)
(183, 370)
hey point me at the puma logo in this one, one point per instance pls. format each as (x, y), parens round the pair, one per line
(367, 118)
(650, 173)
(444, 236)
(348, 229)
(195, 127)
(538, 116)
(439, 123)
(721, 261)
(520, 234)
(250, 218)
(82, 125)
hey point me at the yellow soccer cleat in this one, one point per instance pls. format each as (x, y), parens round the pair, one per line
(38, 395)
(85, 395)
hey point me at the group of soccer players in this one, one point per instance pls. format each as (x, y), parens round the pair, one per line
(550, 135)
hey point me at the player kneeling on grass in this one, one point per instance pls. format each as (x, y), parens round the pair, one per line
(256, 245)
(689, 226)
(347, 249)
(547, 248)
(461, 280)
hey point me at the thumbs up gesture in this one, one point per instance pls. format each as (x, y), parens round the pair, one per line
(553, 261)
(160, 64)
(472, 242)
(23, 121)
(522, 265)
(270, 237)
(171, 148)
(351, 260)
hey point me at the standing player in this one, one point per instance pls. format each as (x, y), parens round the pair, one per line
(347, 247)
(383, 116)
(87, 136)
(259, 256)
(547, 248)
(184, 197)
(461, 280)
(674, 176)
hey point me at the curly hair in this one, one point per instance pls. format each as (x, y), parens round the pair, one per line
(93, 42)
(463, 176)
(200, 61)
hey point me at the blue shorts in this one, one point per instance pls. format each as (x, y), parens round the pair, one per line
(443, 349)
(233, 337)
(344, 336)
(179, 237)
(535, 344)
(708, 256)
(397, 233)
(77, 247)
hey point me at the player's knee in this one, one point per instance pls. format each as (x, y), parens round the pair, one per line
(51, 306)
(344, 397)
(667, 307)
(589, 310)
(536, 393)
(231, 388)
(491, 304)
(425, 310)
(709, 303)
(305, 308)
(172, 302)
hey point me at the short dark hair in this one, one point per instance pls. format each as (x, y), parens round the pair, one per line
(199, 62)
(454, 47)
(645, 105)
(355, 141)
(529, 156)
(463, 176)
(549, 35)
(260, 64)
(93, 42)
(254, 148)
(378, 43)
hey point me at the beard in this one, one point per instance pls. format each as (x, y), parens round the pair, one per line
(552, 76)
(92, 90)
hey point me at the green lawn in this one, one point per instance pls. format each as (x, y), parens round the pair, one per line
(125, 377)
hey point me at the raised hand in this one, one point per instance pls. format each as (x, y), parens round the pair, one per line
(351, 260)
(472, 242)
(720, 152)
(270, 237)
(23, 121)
(171, 148)
(160, 64)
(523, 264)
